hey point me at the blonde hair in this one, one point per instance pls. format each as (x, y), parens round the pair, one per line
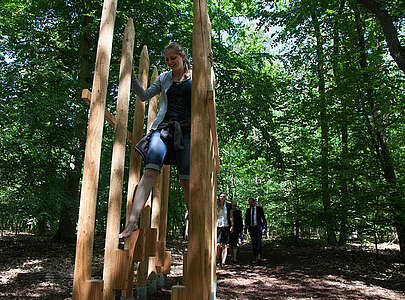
(180, 51)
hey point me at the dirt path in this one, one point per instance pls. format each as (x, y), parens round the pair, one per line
(35, 268)
(314, 272)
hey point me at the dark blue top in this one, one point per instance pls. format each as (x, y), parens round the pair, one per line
(179, 101)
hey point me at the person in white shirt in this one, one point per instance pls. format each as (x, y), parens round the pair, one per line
(224, 225)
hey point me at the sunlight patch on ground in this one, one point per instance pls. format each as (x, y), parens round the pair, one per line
(10, 274)
(27, 267)
(35, 264)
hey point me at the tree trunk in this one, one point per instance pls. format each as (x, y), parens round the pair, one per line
(390, 32)
(323, 118)
(66, 228)
(297, 221)
(378, 134)
(344, 161)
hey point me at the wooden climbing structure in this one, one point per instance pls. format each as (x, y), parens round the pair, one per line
(147, 246)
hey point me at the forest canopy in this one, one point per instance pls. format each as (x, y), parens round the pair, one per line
(310, 111)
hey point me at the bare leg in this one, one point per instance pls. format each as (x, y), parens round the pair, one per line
(224, 253)
(148, 180)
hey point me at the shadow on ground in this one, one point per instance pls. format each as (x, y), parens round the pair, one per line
(36, 268)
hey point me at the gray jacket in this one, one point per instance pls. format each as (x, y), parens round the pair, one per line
(162, 84)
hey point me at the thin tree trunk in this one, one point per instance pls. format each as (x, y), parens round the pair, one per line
(344, 161)
(390, 32)
(66, 228)
(323, 116)
(297, 221)
(378, 135)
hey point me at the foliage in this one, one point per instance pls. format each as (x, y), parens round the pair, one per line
(267, 106)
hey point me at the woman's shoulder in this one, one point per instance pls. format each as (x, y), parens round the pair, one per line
(165, 75)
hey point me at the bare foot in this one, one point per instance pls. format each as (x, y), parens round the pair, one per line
(128, 230)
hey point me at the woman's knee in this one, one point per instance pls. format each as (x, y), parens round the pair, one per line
(150, 174)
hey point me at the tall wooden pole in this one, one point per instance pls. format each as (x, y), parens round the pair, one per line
(163, 264)
(145, 217)
(117, 168)
(156, 195)
(198, 280)
(135, 162)
(214, 168)
(88, 197)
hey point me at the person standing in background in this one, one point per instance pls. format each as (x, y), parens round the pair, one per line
(224, 223)
(256, 223)
(236, 231)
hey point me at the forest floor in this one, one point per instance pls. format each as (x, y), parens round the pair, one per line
(36, 268)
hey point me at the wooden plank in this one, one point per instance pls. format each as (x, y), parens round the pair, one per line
(117, 165)
(135, 159)
(109, 117)
(88, 196)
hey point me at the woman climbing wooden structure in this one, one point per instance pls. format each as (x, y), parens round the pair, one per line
(147, 244)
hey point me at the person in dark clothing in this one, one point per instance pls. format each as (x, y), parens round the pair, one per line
(236, 231)
(256, 223)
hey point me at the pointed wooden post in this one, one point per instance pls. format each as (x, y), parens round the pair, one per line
(88, 196)
(155, 217)
(135, 163)
(200, 263)
(117, 167)
(145, 217)
(163, 256)
(213, 168)
(201, 182)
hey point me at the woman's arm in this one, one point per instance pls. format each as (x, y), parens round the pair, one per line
(151, 91)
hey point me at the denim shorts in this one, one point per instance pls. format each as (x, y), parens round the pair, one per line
(157, 151)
